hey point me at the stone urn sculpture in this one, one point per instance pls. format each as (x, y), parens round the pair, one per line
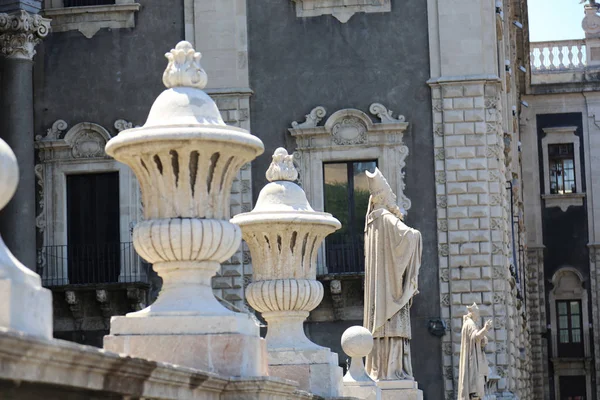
(284, 233)
(185, 159)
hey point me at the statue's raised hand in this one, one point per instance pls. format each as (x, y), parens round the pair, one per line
(488, 325)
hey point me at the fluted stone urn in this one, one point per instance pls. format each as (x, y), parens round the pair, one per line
(185, 159)
(284, 233)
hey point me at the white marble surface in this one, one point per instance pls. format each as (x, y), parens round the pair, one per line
(186, 159)
(24, 305)
(283, 233)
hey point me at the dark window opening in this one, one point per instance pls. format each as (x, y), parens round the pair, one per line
(94, 249)
(562, 168)
(84, 3)
(346, 198)
(570, 329)
(572, 387)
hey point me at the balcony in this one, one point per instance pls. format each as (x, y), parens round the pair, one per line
(344, 255)
(91, 265)
(557, 56)
(559, 62)
(565, 66)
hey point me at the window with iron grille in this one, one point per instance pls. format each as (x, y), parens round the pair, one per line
(84, 3)
(570, 329)
(562, 168)
(346, 195)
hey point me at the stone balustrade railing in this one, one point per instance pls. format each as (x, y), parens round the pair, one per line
(559, 55)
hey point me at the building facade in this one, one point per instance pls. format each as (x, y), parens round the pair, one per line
(439, 95)
(560, 153)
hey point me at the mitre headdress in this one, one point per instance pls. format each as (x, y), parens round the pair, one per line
(379, 187)
(473, 307)
(377, 183)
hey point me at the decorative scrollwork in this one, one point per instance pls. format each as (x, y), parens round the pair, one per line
(384, 114)
(312, 118)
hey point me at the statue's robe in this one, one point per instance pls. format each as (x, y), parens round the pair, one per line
(473, 366)
(392, 262)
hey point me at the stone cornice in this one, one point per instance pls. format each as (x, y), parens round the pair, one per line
(20, 32)
(479, 78)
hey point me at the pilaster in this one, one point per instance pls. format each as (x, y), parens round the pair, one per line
(219, 28)
(594, 250)
(474, 222)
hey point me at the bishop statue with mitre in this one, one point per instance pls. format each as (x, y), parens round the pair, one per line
(392, 262)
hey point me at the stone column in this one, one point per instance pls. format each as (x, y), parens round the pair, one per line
(284, 233)
(20, 32)
(185, 159)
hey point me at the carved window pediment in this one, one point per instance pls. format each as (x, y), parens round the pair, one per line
(349, 135)
(343, 10)
(90, 19)
(84, 140)
(349, 127)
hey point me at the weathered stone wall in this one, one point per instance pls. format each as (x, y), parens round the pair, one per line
(296, 64)
(474, 225)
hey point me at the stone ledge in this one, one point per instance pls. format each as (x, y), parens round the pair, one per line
(69, 365)
(90, 19)
(564, 201)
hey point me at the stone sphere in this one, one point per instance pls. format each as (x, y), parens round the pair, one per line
(9, 173)
(357, 341)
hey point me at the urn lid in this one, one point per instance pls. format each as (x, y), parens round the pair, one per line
(184, 102)
(282, 194)
(283, 201)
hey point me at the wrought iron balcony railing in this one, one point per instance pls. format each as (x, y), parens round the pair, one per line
(344, 255)
(91, 264)
(85, 3)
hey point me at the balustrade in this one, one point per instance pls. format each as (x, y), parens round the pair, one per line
(557, 55)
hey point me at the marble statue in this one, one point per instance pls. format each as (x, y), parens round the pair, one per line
(392, 262)
(473, 367)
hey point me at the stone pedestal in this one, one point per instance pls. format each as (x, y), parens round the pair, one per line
(316, 370)
(185, 159)
(400, 390)
(283, 233)
(24, 305)
(357, 342)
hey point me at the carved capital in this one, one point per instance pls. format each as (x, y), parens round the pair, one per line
(20, 32)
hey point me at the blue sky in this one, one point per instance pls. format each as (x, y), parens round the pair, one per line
(555, 20)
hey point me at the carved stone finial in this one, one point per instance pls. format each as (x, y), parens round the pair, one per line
(20, 32)
(282, 167)
(312, 119)
(9, 174)
(357, 342)
(184, 69)
(591, 22)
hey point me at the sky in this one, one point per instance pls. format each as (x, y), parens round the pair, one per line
(555, 20)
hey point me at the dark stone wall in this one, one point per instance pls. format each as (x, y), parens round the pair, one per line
(296, 64)
(115, 74)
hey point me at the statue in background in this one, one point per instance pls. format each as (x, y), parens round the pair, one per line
(473, 366)
(392, 262)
